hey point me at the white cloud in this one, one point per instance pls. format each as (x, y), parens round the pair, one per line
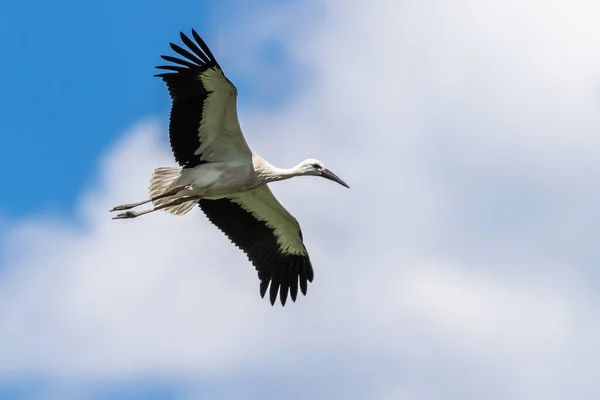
(460, 264)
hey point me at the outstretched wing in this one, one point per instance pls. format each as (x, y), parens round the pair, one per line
(269, 235)
(204, 124)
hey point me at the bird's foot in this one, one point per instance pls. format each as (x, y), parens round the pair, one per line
(125, 215)
(122, 207)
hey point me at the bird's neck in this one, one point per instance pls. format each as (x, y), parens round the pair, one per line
(280, 174)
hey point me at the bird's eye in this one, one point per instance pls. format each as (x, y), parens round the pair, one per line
(316, 166)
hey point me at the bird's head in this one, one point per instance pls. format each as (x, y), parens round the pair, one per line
(314, 167)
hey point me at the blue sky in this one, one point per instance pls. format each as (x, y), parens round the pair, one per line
(77, 74)
(462, 263)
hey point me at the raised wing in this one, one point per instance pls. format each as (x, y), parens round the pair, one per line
(269, 235)
(204, 125)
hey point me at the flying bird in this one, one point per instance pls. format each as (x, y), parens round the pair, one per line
(219, 172)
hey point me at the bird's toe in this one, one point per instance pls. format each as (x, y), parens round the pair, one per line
(128, 214)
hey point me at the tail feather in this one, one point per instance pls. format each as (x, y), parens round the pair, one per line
(164, 179)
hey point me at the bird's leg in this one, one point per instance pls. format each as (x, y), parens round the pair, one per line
(176, 202)
(160, 196)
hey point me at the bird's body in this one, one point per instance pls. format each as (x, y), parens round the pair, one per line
(220, 173)
(220, 179)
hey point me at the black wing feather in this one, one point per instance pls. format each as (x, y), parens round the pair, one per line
(178, 61)
(280, 270)
(202, 45)
(192, 46)
(176, 68)
(183, 52)
(188, 96)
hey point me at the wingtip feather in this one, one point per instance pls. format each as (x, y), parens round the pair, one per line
(274, 290)
(283, 293)
(263, 288)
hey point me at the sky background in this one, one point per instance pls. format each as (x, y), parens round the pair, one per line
(462, 264)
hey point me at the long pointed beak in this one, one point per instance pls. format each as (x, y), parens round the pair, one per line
(327, 174)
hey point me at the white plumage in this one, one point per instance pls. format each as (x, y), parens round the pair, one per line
(220, 173)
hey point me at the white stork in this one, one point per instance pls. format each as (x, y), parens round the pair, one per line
(219, 172)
